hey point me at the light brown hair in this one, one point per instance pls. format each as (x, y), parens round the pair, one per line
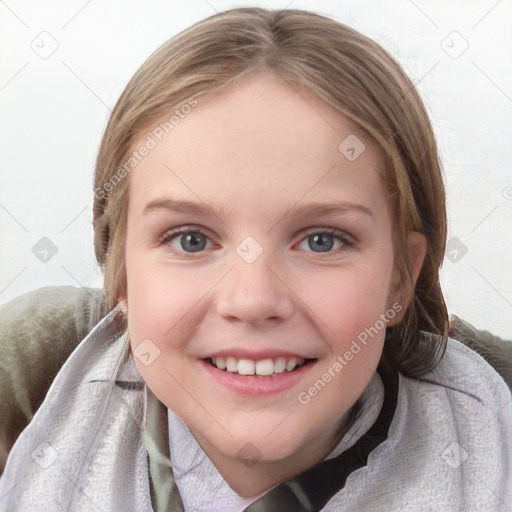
(352, 74)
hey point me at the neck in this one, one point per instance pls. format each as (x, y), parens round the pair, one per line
(249, 476)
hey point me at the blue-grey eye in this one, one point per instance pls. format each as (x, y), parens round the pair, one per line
(193, 241)
(321, 241)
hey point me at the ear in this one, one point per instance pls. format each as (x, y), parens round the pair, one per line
(403, 294)
(123, 305)
(417, 249)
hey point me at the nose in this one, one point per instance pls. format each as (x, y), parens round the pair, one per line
(254, 293)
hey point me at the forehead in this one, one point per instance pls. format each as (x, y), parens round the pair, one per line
(262, 138)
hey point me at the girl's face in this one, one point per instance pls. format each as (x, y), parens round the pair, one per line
(259, 236)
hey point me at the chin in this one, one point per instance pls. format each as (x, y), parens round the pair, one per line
(259, 447)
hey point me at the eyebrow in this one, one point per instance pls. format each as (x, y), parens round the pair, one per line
(306, 210)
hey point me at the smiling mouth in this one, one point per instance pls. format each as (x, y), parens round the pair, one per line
(262, 368)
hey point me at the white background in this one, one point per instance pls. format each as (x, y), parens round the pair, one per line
(53, 112)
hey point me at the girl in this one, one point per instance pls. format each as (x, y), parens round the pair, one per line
(270, 216)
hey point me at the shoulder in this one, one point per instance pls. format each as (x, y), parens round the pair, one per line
(38, 332)
(41, 328)
(449, 444)
(495, 350)
(55, 305)
(465, 398)
(462, 368)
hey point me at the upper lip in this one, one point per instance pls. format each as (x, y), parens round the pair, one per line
(240, 353)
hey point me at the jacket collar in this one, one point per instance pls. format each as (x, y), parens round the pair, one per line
(307, 492)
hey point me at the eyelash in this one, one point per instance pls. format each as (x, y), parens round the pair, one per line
(344, 238)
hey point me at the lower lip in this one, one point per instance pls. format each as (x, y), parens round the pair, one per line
(254, 385)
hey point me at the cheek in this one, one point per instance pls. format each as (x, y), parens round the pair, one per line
(161, 296)
(349, 307)
(347, 301)
(162, 302)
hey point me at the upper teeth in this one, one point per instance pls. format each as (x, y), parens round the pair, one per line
(262, 367)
